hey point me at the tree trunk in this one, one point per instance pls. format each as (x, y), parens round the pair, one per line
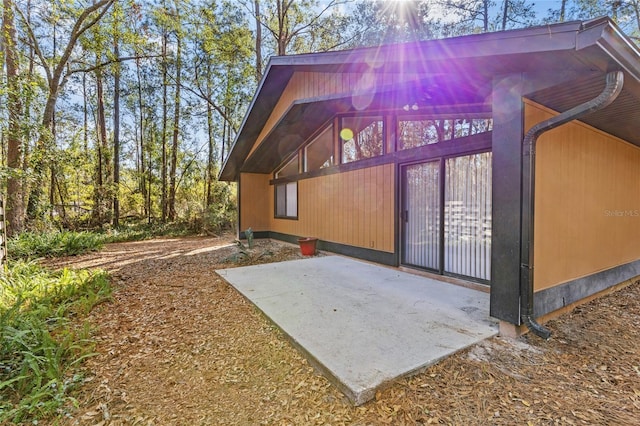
(116, 138)
(163, 173)
(99, 188)
(636, 11)
(14, 204)
(256, 5)
(27, 115)
(152, 142)
(211, 160)
(63, 210)
(52, 189)
(281, 41)
(505, 13)
(563, 7)
(143, 184)
(224, 142)
(485, 17)
(85, 117)
(44, 144)
(176, 134)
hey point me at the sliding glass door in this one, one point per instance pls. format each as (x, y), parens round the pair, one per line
(446, 216)
(467, 213)
(421, 224)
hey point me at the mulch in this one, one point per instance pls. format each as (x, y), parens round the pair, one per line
(178, 346)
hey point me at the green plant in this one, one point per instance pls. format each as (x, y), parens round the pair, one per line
(41, 347)
(138, 232)
(29, 245)
(249, 234)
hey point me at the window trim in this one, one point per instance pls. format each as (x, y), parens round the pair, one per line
(313, 139)
(454, 118)
(275, 200)
(373, 114)
(295, 157)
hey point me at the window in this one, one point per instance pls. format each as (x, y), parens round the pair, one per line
(413, 133)
(319, 153)
(471, 126)
(287, 200)
(289, 169)
(419, 131)
(361, 137)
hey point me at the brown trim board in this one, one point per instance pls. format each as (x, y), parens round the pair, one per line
(554, 298)
(371, 255)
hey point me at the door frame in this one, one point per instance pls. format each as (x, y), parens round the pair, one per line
(403, 214)
(402, 166)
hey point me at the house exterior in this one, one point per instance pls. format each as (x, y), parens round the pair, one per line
(511, 159)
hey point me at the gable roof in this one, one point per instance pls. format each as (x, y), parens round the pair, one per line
(576, 54)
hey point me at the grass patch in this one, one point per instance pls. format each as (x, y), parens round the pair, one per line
(41, 349)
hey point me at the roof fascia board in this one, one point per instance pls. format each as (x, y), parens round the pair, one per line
(294, 107)
(232, 175)
(621, 49)
(528, 40)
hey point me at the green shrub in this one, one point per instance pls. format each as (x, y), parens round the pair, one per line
(41, 349)
(139, 232)
(29, 245)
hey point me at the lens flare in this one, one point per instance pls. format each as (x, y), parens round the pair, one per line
(346, 134)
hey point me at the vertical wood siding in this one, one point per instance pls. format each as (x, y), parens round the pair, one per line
(587, 216)
(255, 195)
(353, 208)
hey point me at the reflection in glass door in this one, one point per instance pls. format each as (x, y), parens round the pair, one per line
(421, 215)
(463, 245)
(467, 216)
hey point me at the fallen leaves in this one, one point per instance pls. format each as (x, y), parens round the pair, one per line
(178, 346)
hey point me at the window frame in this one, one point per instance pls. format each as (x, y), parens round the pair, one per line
(305, 156)
(295, 158)
(287, 213)
(454, 123)
(380, 117)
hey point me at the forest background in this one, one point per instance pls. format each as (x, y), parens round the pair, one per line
(115, 111)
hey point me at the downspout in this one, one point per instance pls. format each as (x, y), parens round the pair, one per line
(613, 87)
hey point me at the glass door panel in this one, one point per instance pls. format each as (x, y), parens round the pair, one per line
(421, 215)
(467, 216)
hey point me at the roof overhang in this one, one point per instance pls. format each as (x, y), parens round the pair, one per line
(304, 117)
(575, 55)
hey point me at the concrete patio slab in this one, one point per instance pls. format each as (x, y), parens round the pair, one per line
(365, 325)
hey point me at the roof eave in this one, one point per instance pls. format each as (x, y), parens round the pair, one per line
(230, 171)
(598, 35)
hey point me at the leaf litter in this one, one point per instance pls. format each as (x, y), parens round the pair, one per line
(178, 346)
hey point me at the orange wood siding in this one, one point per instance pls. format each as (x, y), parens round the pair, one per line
(254, 201)
(587, 216)
(313, 84)
(353, 208)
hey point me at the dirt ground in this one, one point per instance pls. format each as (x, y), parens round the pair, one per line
(179, 346)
